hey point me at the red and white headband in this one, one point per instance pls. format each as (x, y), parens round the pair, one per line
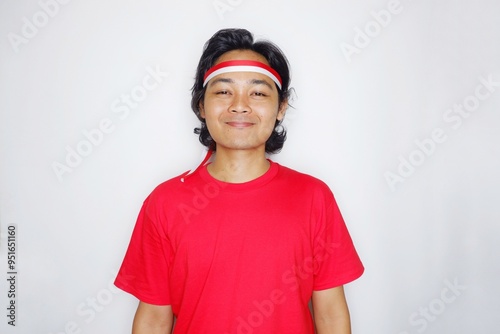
(242, 66)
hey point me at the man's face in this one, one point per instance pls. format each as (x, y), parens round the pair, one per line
(241, 108)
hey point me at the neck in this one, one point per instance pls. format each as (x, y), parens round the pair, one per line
(238, 166)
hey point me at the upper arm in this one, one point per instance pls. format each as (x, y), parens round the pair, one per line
(331, 314)
(153, 319)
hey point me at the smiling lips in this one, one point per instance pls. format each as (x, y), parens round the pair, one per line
(239, 124)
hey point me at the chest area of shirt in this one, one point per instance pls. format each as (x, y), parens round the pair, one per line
(235, 231)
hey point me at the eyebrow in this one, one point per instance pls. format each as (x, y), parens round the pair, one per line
(260, 82)
(252, 82)
(226, 80)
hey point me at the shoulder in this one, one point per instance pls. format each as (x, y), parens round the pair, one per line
(303, 178)
(303, 182)
(168, 189)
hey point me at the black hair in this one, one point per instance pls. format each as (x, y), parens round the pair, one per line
(226, 40)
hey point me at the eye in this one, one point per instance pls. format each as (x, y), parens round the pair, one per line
(222, 92)
(260, 94)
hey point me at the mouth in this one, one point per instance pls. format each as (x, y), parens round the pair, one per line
(238, 124)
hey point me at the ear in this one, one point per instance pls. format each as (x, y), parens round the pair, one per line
(201, 107)
(282, 110)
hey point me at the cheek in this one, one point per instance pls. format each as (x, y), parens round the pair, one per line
(268, 112)
(212, 117)
(268, 122)
(215, 107)
(207, 112)
(270, 125)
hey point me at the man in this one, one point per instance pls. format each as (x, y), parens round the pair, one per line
(242, 244)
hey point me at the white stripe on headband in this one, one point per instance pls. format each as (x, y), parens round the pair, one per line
(242, 66)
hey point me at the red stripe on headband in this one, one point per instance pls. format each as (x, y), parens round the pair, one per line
(242, 63)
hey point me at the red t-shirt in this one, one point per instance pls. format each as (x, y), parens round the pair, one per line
(239, 258)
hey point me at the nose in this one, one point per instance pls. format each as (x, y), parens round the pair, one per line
(239, 104)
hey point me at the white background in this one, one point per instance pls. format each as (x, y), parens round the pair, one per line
(355, 118)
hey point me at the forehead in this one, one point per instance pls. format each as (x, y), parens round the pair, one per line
(241, 55)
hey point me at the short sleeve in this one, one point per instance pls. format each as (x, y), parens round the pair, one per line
(336, 261)
(144, 271)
